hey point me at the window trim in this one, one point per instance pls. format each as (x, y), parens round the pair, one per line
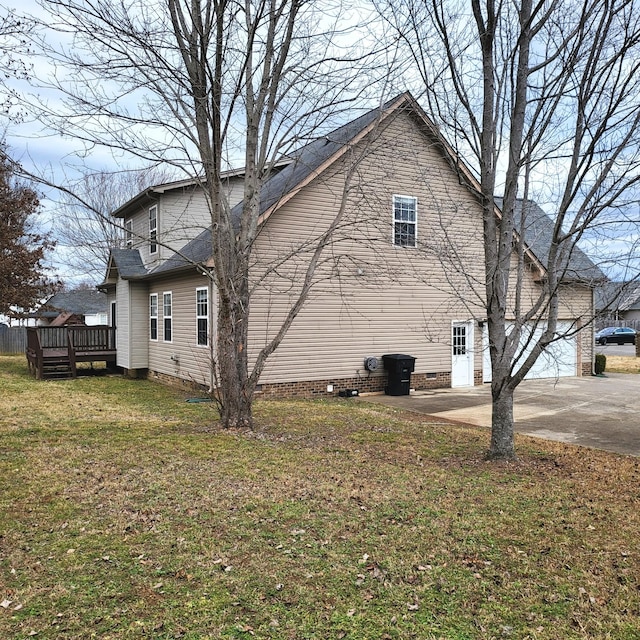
(166, 316)
(202, 317)
(396, 198)
(152, 316)
(153, 229)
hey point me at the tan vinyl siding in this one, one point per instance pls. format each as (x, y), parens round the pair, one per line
(380, 298)
(182, 215)
(122, 333)
(132, 333)
(139, 323)
(234, 189)
(370, 297)
(377, 298)
(185, 215)
(139, 229)
(140, 232)
(182, 357)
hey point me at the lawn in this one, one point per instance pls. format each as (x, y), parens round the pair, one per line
(622, 364)
(125, 512)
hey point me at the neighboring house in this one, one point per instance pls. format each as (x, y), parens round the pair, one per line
(404, 273)
(81, 306)
(618, 301)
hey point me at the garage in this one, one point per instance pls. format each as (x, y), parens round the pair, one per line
(559, 361)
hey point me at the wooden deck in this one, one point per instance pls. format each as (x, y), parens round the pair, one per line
(53, 352)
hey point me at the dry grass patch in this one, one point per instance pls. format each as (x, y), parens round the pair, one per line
(622, 364)
(126, 513)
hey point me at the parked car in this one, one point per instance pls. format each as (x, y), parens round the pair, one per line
(616, 335)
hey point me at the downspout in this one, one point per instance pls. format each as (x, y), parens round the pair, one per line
(593, 331)
(212, 341)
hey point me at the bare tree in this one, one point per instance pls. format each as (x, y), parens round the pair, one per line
(540, 98)
(203, 86)
(15, 32)
(83, 226)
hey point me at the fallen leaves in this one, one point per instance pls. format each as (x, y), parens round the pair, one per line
(10, 604)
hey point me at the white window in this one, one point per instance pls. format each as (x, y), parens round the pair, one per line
(202, 316)
(128, 234)
(153, 316)
(405, 221)
(167, 316)
(153, 229)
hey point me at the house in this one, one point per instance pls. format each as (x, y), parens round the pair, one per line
(404, 273)
(618, 302)
(80, 306)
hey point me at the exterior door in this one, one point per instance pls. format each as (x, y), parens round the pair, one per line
(462, 354)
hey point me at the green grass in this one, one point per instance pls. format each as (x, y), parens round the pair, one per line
(125, 512)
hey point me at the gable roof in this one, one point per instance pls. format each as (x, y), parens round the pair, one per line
(538, 235)
(128, 262)
(301, 167)
(309, 161)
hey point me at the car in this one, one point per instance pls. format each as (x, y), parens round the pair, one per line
(616, 335)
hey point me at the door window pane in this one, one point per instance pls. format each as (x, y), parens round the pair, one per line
(459, 340)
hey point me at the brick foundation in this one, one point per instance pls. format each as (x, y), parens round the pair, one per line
(318, 388)
(174, 381)
(587, 369)
(374, 384)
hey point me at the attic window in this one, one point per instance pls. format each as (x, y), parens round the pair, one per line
(405, 221)
(153, 229)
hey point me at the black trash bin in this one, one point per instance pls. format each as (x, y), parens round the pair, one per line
(399, 366)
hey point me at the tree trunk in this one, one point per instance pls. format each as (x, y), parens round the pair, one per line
(502, 443)
(233, 393)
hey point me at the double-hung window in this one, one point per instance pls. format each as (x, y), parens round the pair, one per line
(128, 234)
(167, 318)
(405, 221)
(202, 316)
(153, 229)
(153, 316)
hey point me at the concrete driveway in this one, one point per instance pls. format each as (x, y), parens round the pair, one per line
(599, 412)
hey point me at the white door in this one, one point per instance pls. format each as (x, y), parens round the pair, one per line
(462, 354)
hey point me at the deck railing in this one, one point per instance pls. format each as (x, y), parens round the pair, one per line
(96, 338)
(71, 344)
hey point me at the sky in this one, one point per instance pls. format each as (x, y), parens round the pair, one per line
(63, 159)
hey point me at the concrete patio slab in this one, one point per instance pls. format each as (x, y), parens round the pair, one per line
(599, 412)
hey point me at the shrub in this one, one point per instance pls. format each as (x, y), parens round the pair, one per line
(601, 363)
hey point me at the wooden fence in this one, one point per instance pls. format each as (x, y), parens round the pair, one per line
(13, 339)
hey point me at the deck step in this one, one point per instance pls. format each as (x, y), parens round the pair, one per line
(57, 370)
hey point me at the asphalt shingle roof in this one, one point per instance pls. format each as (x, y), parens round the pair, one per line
(618, 296)
(303, 163)
(538, 235)
(308, 159)
(129, 263)
(79, 301)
